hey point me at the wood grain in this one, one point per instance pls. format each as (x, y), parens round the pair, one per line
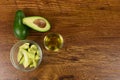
(91, 33)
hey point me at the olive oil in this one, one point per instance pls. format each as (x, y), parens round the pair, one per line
(53, 42)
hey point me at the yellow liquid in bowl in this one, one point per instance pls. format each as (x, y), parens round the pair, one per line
(53, 42)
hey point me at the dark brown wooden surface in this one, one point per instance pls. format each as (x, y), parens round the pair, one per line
(91, 31)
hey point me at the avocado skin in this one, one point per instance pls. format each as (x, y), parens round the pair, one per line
(20, 30)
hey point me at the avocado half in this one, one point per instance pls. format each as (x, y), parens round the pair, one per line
(37, 23)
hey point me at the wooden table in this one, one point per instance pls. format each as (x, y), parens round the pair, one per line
(91, 32)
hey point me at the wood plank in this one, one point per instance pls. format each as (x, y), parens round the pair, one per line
(91, 33)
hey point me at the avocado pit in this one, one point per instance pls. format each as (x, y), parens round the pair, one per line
(39, 22)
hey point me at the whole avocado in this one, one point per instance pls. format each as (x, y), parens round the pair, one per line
(20, 30)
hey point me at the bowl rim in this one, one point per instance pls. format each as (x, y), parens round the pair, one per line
(16, 45)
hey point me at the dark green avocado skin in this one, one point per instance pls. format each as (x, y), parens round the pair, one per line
(20, 30)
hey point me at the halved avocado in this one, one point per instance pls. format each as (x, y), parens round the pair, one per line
(37, 23)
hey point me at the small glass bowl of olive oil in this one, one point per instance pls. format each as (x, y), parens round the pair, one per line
(53, 41)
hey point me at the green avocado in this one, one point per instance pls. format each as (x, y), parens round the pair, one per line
(37, 23)
(20, 30)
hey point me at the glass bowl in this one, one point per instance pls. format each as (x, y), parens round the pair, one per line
(14, 54)
(53, 42)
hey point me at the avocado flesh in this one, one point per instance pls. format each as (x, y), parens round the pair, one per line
(29, 21)
(26, 61)
(25, 46)
(19, 57)
(28, 55)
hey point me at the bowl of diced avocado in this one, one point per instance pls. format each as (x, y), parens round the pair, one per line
(26, 55)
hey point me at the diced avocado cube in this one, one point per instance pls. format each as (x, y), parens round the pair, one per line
(25, 46)
(34, 47)
(30, 50)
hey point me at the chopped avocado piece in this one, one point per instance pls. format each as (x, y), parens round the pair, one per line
(22, 60)
(26, 61)
(38, 53)
(19, 56)
(34, 47)
(31, 55)
(37, 23)
(31, 65)
(28, 55)
(34, 63)
(25, 46)
(37, 57)
(31, 51)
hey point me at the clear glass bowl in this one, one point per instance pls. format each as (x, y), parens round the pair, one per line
(14, 53)
(53, 42)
